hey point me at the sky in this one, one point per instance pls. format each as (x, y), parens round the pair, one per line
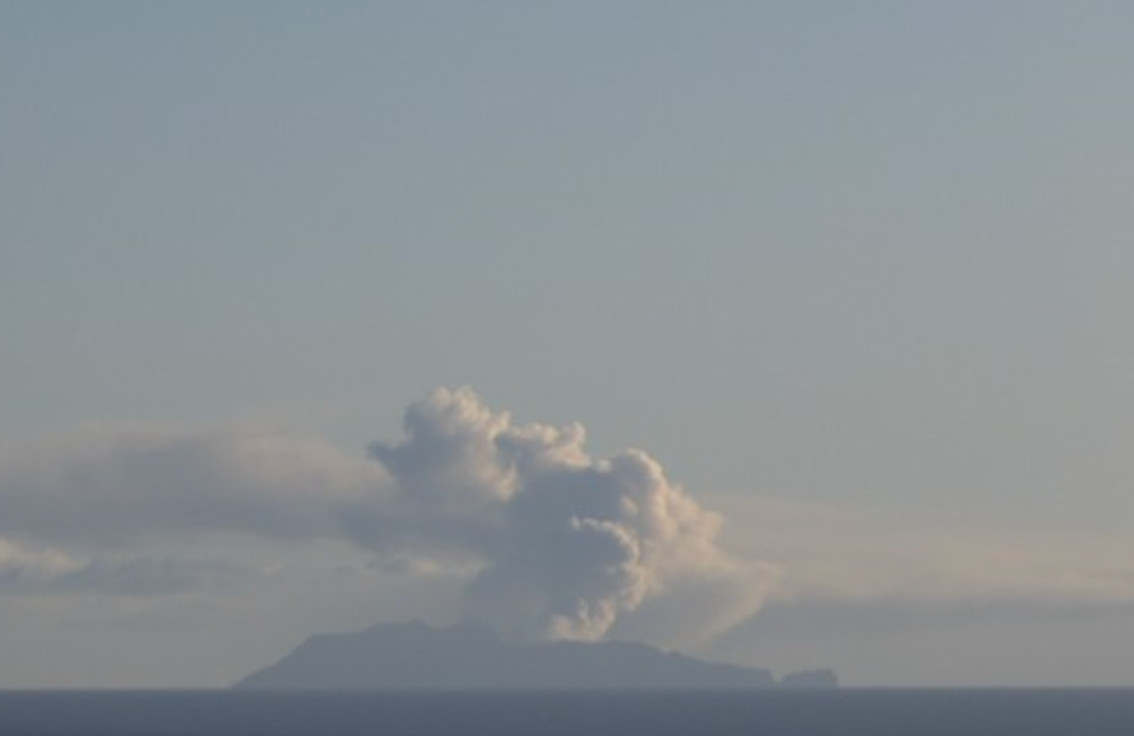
(787, 334)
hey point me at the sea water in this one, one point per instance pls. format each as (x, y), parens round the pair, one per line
(678, 713)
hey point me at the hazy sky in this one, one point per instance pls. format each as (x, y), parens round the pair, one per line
(857, 276)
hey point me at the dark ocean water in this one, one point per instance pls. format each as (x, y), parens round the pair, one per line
(787, 713)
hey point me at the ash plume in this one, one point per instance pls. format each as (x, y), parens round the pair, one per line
(569, 543)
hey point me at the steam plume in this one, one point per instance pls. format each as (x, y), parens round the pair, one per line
(569, 543)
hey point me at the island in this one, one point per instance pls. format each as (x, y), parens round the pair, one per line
(469, 656)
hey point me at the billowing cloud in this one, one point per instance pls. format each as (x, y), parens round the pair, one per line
(554, 543)
(569, 542)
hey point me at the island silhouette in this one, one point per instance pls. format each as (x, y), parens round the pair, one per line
(470, 656)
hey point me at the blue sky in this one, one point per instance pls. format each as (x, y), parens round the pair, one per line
(860, 270)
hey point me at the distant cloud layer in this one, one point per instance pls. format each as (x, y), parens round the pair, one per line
(111, 487)
(557, 544)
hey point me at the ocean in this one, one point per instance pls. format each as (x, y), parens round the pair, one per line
(679, 713)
